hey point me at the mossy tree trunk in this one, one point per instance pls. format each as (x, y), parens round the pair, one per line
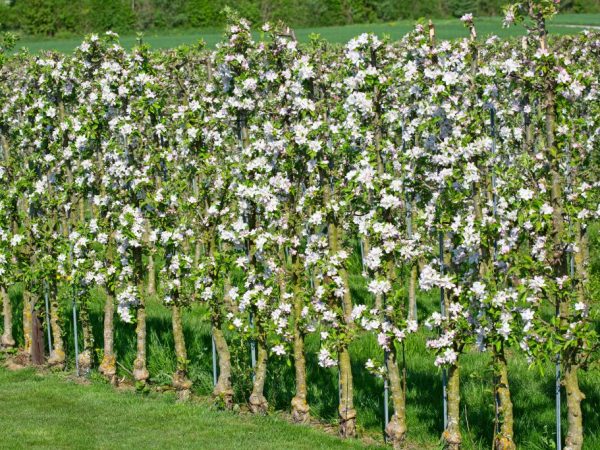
(140, 372)
(412, 292)
(86, 356)
(57, 355)
(346, 411)
(396, 427)
(223, 390)
(574, 439)
(504, 439)
(7, 339)
(452, 437)
(300, 408)
(28, 302)
(258, 403)
(181, 382)
(108, 366)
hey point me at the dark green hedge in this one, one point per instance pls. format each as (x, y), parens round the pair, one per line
(55, 17)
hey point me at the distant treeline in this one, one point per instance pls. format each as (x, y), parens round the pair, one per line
(63, 17)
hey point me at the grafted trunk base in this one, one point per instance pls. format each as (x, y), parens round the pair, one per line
(258, 404)
(504, 443)
(140, 373)
(452, 441)
(395, 431)
(108, 368)
(182, 383)
(300, 410)
(347, 420)
(223, 395)
(183, 395)
(57, 359)
(85, 363)
(7, 343)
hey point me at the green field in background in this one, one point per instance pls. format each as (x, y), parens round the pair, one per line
(446, 29)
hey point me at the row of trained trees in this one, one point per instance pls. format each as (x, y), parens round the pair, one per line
(241, 178)
(51, 17)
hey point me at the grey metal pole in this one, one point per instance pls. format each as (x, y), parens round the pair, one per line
(214, 361)
(252, 348)
(75, 335)
(386, 400)
(362, 255)
(558, 399)
(495, 211)
(47, 317)
(74, 307)
(339, 386)
(443, 310)
(409, 229)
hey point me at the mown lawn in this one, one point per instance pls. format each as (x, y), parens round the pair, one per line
(53, 412)
(446, 29)
(93, 413)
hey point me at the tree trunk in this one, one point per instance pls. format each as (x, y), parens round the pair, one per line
(396, 428)
(140, 372)
(504, 440)
(37, 340)
(574, 440)
(223, 389)
(151, 287)
(181, 382)
(346, 411)
(27, 320)
(7, 339)
(451, 436)
(412, 293)
(108, 366)
(57, 355)
(86, 356)
(258, 402)
(300, 408)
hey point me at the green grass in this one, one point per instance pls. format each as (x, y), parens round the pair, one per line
(533, 392)
(51, 411)
(446, 29)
